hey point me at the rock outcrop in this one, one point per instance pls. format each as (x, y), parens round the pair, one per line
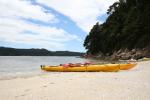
(130, 54)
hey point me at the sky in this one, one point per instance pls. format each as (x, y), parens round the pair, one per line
(56, 25)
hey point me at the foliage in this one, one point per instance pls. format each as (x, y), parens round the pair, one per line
(127, 26)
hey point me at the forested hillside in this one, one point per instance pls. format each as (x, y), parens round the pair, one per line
(35, 52)
(127, 29)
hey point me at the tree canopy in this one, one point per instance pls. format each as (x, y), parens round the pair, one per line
(127, 27)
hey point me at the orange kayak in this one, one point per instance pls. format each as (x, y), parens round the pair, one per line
(90, 68)
(127, 66)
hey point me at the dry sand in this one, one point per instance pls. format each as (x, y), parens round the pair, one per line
(133, 84)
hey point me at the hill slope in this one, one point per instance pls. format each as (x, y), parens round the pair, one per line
(35, 52)
(126, 32)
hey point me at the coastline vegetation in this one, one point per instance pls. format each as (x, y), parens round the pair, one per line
(126, 30)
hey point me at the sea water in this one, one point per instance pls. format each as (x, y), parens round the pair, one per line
(17, 66)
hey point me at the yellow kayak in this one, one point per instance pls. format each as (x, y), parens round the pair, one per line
(146, 59)
(90, 68)
(127, 66)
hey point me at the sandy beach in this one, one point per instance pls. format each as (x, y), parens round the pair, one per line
(133, 84)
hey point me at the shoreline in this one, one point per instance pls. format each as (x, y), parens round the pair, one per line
(9, 76)
(133, 84)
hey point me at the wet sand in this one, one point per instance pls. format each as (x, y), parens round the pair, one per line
(133, 84)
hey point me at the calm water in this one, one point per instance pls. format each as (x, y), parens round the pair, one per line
(14, 66)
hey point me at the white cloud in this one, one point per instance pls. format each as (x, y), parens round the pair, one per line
(13, 29)
(24, 9)
(17, 31)
(84, 12)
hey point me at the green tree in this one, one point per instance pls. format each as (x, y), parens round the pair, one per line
(127, 27)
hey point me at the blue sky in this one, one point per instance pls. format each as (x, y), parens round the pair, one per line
(51, 24)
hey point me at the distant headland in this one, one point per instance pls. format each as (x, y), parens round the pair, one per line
(7, 51)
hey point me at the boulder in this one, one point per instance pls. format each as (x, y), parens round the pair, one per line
(138, 55)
